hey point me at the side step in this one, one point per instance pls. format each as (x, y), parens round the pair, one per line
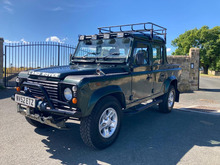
(141, 108)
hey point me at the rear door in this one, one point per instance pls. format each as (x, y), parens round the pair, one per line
(158, 67)
(142, 77)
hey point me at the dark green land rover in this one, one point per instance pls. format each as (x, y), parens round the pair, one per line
(123, 69)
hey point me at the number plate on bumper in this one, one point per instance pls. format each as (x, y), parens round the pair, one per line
(24, 100)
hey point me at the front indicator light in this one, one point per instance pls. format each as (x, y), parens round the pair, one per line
(18, 89)
(74, 100)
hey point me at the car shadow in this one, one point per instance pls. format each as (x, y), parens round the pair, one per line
(145, 138)
(6, 93)
(209, 90)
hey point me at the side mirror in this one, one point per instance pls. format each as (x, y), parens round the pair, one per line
(139, 59)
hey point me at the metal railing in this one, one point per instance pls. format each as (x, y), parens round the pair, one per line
(25, 56)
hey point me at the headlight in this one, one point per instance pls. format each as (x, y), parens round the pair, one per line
(68, 94)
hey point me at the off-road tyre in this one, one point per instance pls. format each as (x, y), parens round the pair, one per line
(35, 123)
(89, 126)
(165, 106)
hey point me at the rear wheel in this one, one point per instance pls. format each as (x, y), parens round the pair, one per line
(101, 128)
(35, 123)
(168, 100)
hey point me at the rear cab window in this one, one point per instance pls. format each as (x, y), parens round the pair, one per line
(158, 54)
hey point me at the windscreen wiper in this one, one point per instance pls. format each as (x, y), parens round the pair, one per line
(84, 60)
(114, 54)
(93, 53)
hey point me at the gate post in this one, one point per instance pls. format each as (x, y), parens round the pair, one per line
(1, 61)
(194, 68)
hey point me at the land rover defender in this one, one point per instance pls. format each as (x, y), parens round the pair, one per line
(122, 69)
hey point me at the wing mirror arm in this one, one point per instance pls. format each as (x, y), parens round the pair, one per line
(70, 58)
(131, 68)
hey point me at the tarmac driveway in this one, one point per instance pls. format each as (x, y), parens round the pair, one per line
(207, 99)
(145, 138)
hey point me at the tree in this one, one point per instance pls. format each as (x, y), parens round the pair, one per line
(208, 40)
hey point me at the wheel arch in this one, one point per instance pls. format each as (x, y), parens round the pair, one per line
(172, 80)
(97, 95)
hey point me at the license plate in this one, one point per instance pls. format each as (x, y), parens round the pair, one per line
(28, 101)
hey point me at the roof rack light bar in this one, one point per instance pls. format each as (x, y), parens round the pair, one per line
(152, 28)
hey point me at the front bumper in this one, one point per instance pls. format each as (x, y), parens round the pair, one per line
(46, 104)
(43, 107)
(42, 119)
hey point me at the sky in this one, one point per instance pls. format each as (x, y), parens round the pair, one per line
(63, 20)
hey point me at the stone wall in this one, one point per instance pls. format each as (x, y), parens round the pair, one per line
(189, 80)
(1, 61)
(215, 73)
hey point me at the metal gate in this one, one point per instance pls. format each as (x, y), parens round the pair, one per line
(25, 56)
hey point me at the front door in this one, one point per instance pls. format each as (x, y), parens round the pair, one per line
(142, 78)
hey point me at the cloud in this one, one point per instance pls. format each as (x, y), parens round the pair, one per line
(10, 42)
(57, 9)
(56, 39)
(64, 39)
(16, 42)
(7, 2)
(9, 9)
(8, 6)
(53, 39)
(168, 50)
(23, 41)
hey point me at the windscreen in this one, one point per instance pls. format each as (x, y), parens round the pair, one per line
(116, 47)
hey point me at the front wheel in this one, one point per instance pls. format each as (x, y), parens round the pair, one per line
(101, 128)
(168, 100)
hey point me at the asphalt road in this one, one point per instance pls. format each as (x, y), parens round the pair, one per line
(145, 138)
(206, 98)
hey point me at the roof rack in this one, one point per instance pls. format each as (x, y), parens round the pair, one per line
(153, 29)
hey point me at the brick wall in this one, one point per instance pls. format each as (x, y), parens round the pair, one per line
(189, 80)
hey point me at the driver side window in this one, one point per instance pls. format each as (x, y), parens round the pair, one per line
(142, 50)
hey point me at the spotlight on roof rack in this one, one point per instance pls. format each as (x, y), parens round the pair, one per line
(94, 37)
(120, 35)
(106, 36)
(81, 38)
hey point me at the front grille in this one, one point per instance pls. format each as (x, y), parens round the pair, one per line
(52, 89)
(50, 86)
